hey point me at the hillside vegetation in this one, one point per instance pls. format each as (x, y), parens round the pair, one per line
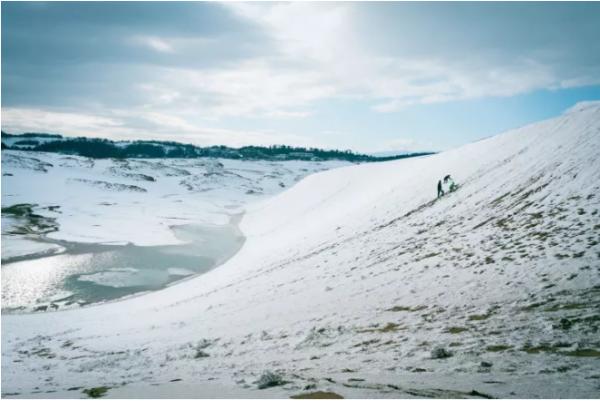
(105, 148)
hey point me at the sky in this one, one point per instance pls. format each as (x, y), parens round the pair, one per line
(365, 76)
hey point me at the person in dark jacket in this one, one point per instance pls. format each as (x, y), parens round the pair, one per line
(440, 190)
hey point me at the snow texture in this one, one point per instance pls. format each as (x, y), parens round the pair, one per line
(137, 200)
(350, 280)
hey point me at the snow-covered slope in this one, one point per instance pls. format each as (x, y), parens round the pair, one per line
(354, 280)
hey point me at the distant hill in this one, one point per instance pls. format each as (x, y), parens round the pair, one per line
(31, 135)
(105, 148)
(394, 153)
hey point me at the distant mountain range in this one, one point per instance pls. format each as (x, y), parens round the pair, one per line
(105, 148)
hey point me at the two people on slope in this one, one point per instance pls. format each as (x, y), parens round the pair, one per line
(448, 185)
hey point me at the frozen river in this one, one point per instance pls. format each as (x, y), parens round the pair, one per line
(86, 273)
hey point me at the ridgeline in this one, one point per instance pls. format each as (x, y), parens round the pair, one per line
(98, 148)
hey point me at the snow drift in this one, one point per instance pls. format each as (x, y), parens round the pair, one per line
(357, 281)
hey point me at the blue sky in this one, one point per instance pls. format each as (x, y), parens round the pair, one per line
(362, 76)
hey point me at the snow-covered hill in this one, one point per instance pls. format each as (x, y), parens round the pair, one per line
(137, 200)
(357, 281)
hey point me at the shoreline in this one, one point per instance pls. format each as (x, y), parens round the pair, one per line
(71, 248)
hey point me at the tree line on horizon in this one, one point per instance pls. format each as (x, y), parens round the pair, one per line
(99, 148)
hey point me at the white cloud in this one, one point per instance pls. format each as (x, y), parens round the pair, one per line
(36, 120)
(323, 39)
(154, 43)
(253, 88)
(140, 124)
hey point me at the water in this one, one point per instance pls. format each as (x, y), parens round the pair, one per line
(89, 273)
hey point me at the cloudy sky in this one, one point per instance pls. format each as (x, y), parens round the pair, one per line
(362, 76)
